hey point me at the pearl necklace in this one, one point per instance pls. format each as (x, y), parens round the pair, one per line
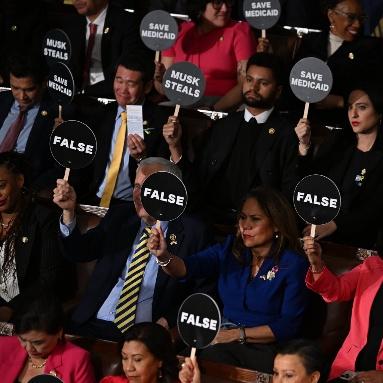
(37, 366)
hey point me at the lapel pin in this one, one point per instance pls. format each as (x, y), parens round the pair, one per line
(145, 123)
(271, 131)
(351, 56)
(44, 113)
(14, 28)
(24, 239)
(173, 239)
(221, 38)
(106, 30)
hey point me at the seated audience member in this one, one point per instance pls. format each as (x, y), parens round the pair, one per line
(246, 149)
(361, 350)
(348, 54)
(118, 151)
(260, 280)
(99, 36)
(148, 356)
(39, 346)
(112, 303)
(353, 159)
(297, 360)
(29, 248)
(27, 119)
(219, 46)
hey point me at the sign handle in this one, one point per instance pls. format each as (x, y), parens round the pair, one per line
(263, 33)
(60, 112)
(192, 353)
(177, 110)
(312, 231)
(66, 174)
(157, 57)
(306, 111)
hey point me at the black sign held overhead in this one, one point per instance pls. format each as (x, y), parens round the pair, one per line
(317, 199)
(158, 30)
(311, 80)
(61, 84)
(199, 320)
(164, 196)
(45, 378)
(57, 47)
(262, 14)
(73, 144)
(184, 83)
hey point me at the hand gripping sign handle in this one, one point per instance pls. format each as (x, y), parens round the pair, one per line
(306, 111)
(66, 174)
(312, 231)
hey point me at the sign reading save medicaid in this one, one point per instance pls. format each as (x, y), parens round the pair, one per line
(262, 14)
(163, 196)
(158, 30)
(317, 199)
(199, 320)
(311, 80)
(184, 83)
(45, 378)
(61, 84)
(56, 47)
(73, 144)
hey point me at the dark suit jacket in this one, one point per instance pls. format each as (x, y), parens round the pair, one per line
(43, 171)
(155, 143)
(120, 35)
(275, 154)
(360, 224)
(39, 260)
(111, 242)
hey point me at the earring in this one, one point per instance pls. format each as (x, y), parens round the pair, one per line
(160, 373)
(276, 235)
(331, 26)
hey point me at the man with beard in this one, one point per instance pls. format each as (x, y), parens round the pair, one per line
(248, 148)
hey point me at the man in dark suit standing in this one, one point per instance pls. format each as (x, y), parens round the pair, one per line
(113, 170)
(27, 119)
(153, 296)
(99, 35)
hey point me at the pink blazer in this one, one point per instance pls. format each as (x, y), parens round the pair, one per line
(68, 362)
(360, 284)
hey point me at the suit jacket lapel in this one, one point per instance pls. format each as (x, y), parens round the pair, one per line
(106, 40)
(5, 108)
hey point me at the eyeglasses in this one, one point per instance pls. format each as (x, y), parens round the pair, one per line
(352, 17)
(217, 4)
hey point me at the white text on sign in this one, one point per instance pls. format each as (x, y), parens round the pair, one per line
(315, 200)
(160, 196)
(60, 85)
(185, 78)
(261, 9)
(61, 45)
(70, 144)
(159, 31)
(310, 80)
(195, 320)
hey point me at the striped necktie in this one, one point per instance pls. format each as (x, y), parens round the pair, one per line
(127, 304)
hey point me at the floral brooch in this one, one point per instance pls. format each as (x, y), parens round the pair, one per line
(270, 274)
(360, 177)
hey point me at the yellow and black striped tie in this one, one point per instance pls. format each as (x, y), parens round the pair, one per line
(127, 304)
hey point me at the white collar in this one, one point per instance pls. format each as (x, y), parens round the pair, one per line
(100, 19)
(261, 118)
(335, 38)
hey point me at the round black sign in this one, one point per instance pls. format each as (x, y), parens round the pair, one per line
(61, 84)
(317, 199)
(184, 83)
(163, 196)
(262, 14)
(199, 320)
(158, 30)
(311, 80)
(73, 144)
(57, 47)
(45, 379)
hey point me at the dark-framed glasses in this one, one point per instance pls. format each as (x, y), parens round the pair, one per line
(352, 17)
(217, 4)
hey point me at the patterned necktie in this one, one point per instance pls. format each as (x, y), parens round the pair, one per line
(88, 54)
(115, 164)
(127, 304)
(12, 135)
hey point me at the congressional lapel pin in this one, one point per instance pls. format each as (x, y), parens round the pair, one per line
(173, 239)
(44, 113)
(106, 30)
(351, 56)
(271, 131)
(14, 28)
(24, 239)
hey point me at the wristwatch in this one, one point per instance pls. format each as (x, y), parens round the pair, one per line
(242, 335)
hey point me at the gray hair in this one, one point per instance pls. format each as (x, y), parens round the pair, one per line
(165, 165)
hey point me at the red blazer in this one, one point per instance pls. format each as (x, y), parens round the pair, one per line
(68, 362)
(360, 284)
